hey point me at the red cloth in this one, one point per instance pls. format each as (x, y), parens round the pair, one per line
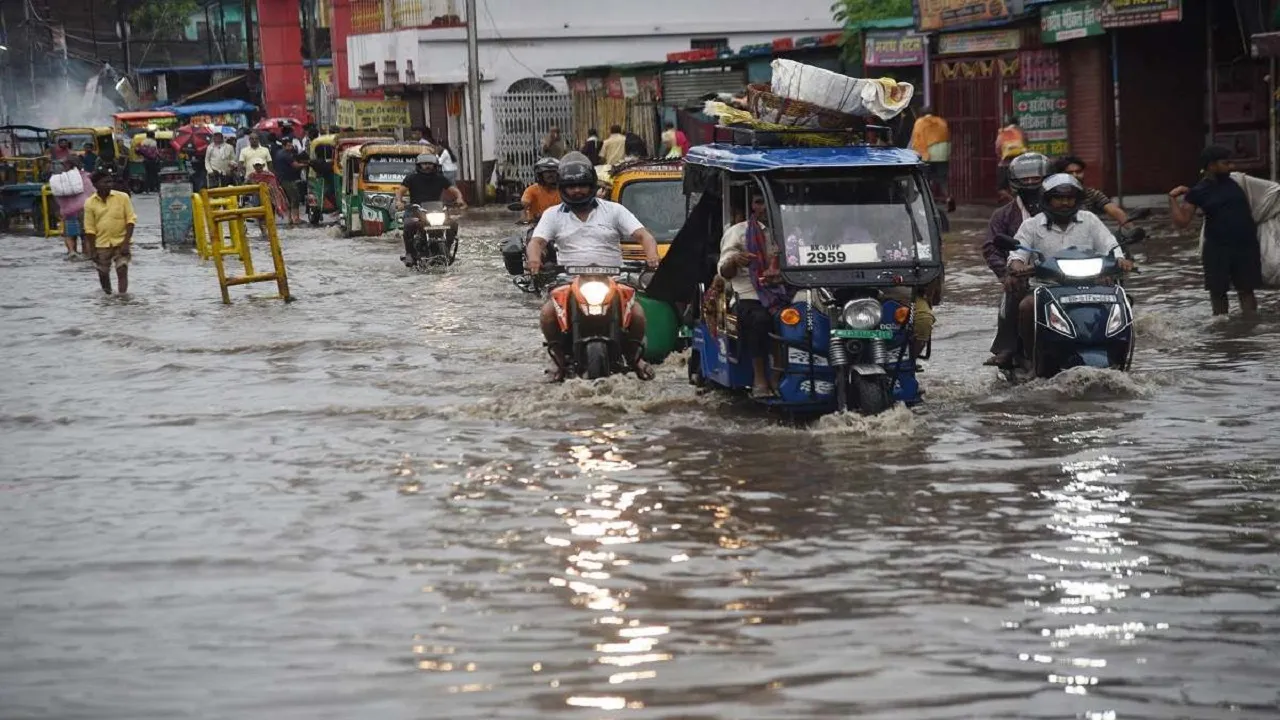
(278, 201)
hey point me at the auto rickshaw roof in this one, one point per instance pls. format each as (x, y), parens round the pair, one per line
(16, 130)
(393, 149)
(82, 130)
(330, 139)
(144, 115)
(747, 159)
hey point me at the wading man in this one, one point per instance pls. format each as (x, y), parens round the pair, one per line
(108, 224)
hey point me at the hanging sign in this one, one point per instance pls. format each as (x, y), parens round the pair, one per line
(630, 87)
(932, 15)
(893, 49)
(613, 86)
(1071, 21)
(984, 41)
(1042, 115)
(373, 114)
(1128, 13)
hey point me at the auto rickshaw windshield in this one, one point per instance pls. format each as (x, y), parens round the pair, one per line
(77, 140)
(658, 205)
(388, 168)
(867, 219)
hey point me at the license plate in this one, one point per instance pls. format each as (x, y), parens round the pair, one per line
(592, 270)
(849, 253)
(1081, 299)
(862, 334)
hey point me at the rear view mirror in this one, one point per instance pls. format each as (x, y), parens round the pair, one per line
(516, 207)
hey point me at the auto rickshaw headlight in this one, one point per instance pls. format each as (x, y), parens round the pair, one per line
(379, 201)
(436, 218)
(862, 314)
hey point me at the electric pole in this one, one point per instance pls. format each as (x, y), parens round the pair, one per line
(473, 92)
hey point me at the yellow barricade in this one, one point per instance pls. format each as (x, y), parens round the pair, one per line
(219, 206)
(46, 223)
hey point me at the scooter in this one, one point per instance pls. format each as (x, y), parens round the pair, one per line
(1083, 316)
(436, 242)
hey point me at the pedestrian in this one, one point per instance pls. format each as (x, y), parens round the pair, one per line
(1010, 143)
(1095, 201)
(71, 207)
(1231, 256)
(61, 150)
(242, 140)
(150, 152)
(253, 152)
(260, 175)
(674, 142)
(218, 161)
(614, 147)
(634, 148)
(448, 163)
(288, 170)
(553, 144)
(109, 220)
(424, 136)
(931, 139)
(591, 148)
(89, 160)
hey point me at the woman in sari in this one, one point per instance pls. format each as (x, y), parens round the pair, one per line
(260, 174)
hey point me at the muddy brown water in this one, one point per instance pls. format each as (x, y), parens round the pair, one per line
(366, 504)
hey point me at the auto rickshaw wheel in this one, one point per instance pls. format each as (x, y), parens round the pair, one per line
(873, 394)
(314, 216)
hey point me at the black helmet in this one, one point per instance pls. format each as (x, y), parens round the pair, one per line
(545, 165)
(1062, 185)
(1027, 171)
(575, 171)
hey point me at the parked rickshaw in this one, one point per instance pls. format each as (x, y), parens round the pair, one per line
(853, 245)
(127, 126)
(370, 175)
(654, 191)
(24, 154)
(102, 139)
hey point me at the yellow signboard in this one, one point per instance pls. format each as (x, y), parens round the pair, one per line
(372, 114)
(942, 14)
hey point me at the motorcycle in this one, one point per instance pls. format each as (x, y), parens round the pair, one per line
(513, 258)
(1083, 315)
(594, 310)
(436, 242)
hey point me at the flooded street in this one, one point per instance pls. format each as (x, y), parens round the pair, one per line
(366, 504)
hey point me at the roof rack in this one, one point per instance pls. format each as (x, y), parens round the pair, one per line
(792, 137)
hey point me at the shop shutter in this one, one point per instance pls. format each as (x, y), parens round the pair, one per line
(682, 88)
(1089, 115)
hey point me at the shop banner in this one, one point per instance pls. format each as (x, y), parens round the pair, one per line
(1071, 21)
(893, 49)
(933, 15)
(373, 114)
(985, 41)
(1042, 114)
(1128, 13)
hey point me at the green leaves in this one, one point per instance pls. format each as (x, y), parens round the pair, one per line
(851, 14)
(162, 18)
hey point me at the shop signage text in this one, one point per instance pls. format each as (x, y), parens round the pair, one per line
(1127, 13)
(891, 49)
(1071, 21)
(942, 14)
(371, 114)
(1042, 114)
(984, 41)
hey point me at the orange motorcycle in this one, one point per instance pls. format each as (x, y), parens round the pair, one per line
(594, 310)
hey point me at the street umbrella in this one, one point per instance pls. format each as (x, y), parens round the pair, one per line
(198, 135)
(276, 124)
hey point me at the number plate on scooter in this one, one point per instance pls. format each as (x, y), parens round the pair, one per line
(592, 270)
(1082, 299)
(862, 334)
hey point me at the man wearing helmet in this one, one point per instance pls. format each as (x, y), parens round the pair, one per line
(544, 193)
(1062, 224)
(1026, 173)
(588, 231)
(426, 184)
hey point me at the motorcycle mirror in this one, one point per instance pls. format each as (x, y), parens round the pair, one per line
(515, 207)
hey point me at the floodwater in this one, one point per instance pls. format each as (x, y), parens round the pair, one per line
(365, 504)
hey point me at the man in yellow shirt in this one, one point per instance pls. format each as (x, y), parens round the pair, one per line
(614, 147)
(252, 153)
(931, 139)
(108, 224)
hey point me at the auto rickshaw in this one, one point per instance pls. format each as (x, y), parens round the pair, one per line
(322, 180)
(24, 154)
(653, 190)
(849, 247)
(371, 173)
(344, 141)
(101, 139)
(127, 127)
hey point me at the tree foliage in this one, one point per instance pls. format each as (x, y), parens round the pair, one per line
(851, 14)
(162, 19)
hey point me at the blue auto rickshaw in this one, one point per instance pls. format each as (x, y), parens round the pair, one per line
(855, 234)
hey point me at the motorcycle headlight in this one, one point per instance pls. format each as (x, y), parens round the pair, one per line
(594, 292)
(1081, 267)
(862, 314)
(436, 218)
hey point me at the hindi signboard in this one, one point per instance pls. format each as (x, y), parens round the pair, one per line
(373, 114)
(1128, 13)
(893, 49)
(933, 15)
(1071, 21)
(1042, 114)
(982, 41)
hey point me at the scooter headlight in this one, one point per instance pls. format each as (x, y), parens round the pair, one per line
(863, 314)
(1081, 267)
(436, 218)
(1115, 320)
(594, 292)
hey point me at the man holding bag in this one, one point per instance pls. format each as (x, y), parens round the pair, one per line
(1230, 251)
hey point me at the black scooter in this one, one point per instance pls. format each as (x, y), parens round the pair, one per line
(1083, 316)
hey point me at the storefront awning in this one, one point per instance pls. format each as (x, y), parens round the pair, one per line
(214, 88)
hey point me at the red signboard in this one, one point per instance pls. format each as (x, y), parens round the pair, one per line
(614, 86)
(784, 44)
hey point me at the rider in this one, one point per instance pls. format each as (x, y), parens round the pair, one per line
(1026, 173)
(426, 184)
(588, 231)
(755, 322)
(1062, 224)
(543, 194)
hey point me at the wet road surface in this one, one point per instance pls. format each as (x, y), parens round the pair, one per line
(365, 504)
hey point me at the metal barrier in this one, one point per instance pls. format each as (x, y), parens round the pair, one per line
(50, 226)
(219, 206)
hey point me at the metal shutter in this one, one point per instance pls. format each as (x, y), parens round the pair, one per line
(681, 88)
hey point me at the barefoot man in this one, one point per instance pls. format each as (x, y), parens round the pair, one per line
(108, 224)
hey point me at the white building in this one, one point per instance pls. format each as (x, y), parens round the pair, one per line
(520, 40)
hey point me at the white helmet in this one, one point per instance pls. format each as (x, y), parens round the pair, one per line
(427, 159)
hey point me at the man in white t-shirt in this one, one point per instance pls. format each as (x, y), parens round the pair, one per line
(588, 231)
(754, 321)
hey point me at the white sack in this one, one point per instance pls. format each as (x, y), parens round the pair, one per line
(833, 91)
(1264, 202)
(66, 184)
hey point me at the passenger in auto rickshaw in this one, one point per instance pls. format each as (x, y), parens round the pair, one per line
(749, 265)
